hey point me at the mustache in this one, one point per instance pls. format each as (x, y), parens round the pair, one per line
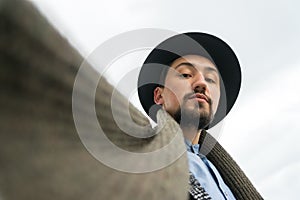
(194, 94)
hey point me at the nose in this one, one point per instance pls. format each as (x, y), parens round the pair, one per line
(199, 82)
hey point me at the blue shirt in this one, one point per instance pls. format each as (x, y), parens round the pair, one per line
(206, 173)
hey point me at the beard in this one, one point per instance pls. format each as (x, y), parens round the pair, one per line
(199, 117)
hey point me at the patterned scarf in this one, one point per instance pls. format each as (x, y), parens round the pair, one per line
(197, 192)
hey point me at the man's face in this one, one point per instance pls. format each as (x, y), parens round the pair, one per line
(191, 91)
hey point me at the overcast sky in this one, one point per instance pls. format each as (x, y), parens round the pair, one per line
(262, 130)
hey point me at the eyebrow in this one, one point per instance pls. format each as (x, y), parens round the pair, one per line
(192, 65)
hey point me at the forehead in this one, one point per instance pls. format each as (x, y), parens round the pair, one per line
(199, 62)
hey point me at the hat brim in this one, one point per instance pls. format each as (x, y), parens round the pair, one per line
(193, 43)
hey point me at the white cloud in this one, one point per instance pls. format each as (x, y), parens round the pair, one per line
(283, 184)
(262, 133)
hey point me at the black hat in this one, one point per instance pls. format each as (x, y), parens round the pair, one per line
(156, 65)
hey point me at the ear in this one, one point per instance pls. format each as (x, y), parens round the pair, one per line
(158, 99)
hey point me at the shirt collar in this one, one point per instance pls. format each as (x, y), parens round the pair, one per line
(194, 148)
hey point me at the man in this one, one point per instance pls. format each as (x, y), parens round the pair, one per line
(195, 78)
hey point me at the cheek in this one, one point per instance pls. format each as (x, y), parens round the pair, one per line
(171, 98)
(174, 93)
(215, 96)
(173, 87)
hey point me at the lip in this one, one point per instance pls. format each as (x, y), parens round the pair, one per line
(199, 97)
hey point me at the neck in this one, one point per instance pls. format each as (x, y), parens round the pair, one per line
(192, 134)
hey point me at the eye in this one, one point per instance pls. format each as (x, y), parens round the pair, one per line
(186, 75)
(209, 80)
